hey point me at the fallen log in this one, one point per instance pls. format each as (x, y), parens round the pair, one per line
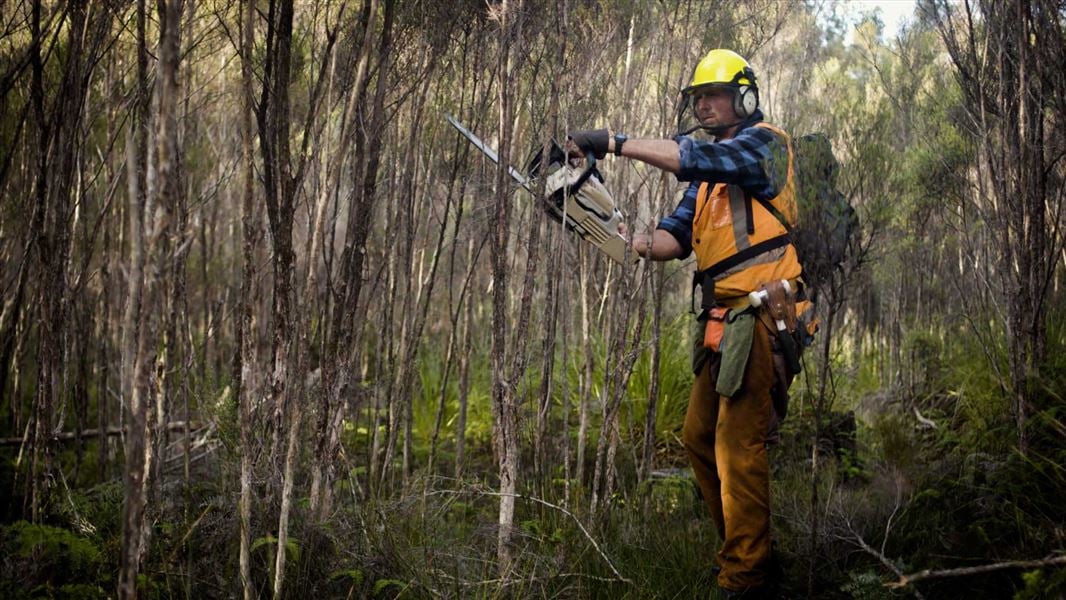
(66, 436)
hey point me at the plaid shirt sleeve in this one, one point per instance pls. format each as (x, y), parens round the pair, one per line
(679, 224)
(756, 160)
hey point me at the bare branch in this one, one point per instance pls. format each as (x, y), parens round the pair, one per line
(906, 580)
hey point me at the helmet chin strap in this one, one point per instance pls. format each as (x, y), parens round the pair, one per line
(715, 130)
(718, 130)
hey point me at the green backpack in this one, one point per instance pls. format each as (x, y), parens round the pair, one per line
(827, 223)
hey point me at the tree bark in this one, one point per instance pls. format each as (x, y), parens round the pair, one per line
(453, 338)
(467, 335)
(280, 186)
(589, 368)
(647, 463)
(136, 176)
(245, 361)
(161, 188)
(622, 356)
(504, 406)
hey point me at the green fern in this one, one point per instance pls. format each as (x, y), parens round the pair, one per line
(383, 584)
(55, 544)
(292, 545)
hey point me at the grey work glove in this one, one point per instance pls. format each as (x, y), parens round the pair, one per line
(592, 141)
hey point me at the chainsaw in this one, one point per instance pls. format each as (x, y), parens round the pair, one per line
(572, 195)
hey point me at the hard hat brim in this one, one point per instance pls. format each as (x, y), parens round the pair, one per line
(692, 89)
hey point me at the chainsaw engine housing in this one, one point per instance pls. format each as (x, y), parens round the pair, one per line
(576, 195)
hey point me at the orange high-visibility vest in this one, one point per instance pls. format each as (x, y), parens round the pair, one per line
(739, 242)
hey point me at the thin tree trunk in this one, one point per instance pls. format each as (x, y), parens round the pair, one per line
(354, 258)
(422, 295)
(9, 327)
(46, 363)
(103, 351)
(246, 363)
(182, 326)
(464, 377)
(504, 409)
(335, 368)
(589, 366)
(820, 404)
(172, 252)
(136, 176)
(370, 142)
(453, 341)
(621, 359)
(551, 303)
(274, 141)
(395, 329)
(161, 192)
(564, 359)
(550, 319)
(647, 462)
(286, 501)
(57, 157)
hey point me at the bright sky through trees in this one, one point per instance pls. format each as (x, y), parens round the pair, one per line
(894, 13)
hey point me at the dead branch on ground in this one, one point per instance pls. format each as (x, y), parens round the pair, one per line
(928, 574)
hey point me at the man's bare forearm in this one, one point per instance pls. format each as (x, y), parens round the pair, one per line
(659, 245)
(663, 154)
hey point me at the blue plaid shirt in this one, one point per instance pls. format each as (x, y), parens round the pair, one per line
(755, 159)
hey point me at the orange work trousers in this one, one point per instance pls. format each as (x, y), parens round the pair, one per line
(726, 442)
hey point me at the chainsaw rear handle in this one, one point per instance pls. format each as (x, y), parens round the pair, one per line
(590, 168)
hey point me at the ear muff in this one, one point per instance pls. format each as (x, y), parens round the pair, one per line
(745, 101)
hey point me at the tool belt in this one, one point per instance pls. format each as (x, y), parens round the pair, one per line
(726, 327)
(778, 311)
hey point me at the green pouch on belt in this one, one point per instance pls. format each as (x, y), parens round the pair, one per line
(736, 346)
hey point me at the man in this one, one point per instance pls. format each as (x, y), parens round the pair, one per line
(731, 216)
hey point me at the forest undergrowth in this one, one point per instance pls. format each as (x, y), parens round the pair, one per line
(899, 495)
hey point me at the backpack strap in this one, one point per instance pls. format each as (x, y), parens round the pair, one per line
(769, 206)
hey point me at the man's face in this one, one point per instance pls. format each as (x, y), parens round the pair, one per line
(714, 106)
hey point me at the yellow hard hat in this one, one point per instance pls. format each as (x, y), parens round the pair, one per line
(723, 67)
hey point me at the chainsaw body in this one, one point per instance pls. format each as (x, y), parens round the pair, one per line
(572, 194)
(577, 196)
